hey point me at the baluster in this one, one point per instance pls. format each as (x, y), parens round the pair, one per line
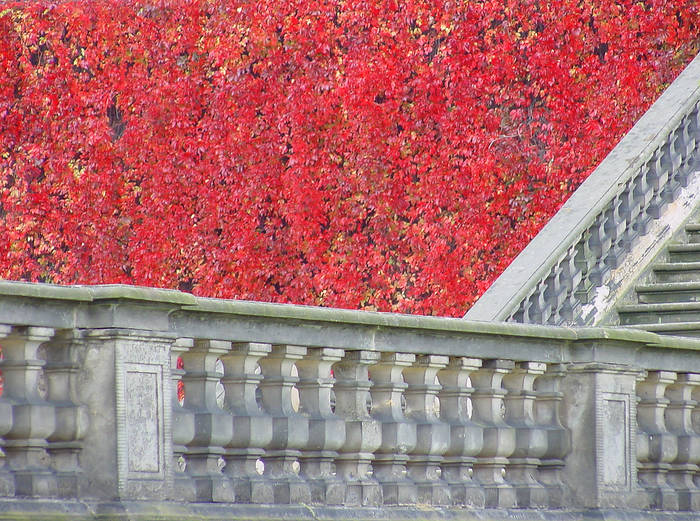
(466, 437)
(657, 177)
(554, 293)
(551, 463)
(290, 430)
(213, 427)
(252, 428)
(433, 435)
(571, 278)
(499, 437)
(686, 146)
(643, 194)
(629, 209)
(656, 447)
(363, 434)
(530, 440)
(183, 425)
(326, 430)
(599, 244)
(584, 261)
(72, 419)
(680, 423)
(615, 224)
(7, 481)
(33, 417)
(674, 158)
(398, 434)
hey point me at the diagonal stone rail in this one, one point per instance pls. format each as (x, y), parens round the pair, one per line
(613, 225)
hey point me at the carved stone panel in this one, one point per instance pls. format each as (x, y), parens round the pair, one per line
(614, 443)
(143, 418)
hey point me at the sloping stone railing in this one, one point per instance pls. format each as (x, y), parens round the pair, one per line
(557, 278)
(132, 403)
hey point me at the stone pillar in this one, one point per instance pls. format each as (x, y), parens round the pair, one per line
(363, 434)
(183, 424)
(290, 430)
(499, 437)
(656, 446)
(599, 410)
(213, 426)
(530, 439)
(466, 437)
(252, 428)
(124, 382)
(33, 418)
(680, 424)
(433, 435)
(547, 415)
(326, 430)
(71, 419)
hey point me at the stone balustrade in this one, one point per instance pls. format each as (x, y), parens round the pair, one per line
(288, 408)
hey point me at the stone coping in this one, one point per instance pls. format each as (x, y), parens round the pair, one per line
(174, 313)
(190, 304)
(591, 199)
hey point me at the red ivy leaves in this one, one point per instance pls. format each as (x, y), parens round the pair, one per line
(381, 155)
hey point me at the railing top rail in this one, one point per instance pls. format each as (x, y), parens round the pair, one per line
(592, 199)
(186, 315)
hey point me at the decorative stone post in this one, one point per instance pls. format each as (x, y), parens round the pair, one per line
(433, 436)
(398, 433)
(530, 439)
(290, 430)
(599, 410)
(363, 434)
(466, 437)
(499, 437)
(213, 427)
(326, 430)
(252, 428)
(33, 418)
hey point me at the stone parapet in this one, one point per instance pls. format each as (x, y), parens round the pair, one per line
(137, 403)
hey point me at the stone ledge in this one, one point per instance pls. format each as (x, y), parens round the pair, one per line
(54, 510)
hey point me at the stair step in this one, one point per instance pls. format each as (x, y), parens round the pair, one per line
(688, 329)
(677, 271)
(668, 292)
(693, 232)
(663, 313)
(684, 252)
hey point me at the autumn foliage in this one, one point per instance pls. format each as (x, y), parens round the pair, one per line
(390, 155)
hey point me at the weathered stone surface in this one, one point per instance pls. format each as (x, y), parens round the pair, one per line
(528, 417)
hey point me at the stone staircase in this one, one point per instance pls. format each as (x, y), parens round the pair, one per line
(670, 303)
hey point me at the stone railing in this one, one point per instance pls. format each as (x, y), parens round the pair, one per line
(154, 404)
(557, 279)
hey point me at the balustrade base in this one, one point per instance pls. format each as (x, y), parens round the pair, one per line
(399, 492)
(253, 490)
(54, 510)
(363, 493)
